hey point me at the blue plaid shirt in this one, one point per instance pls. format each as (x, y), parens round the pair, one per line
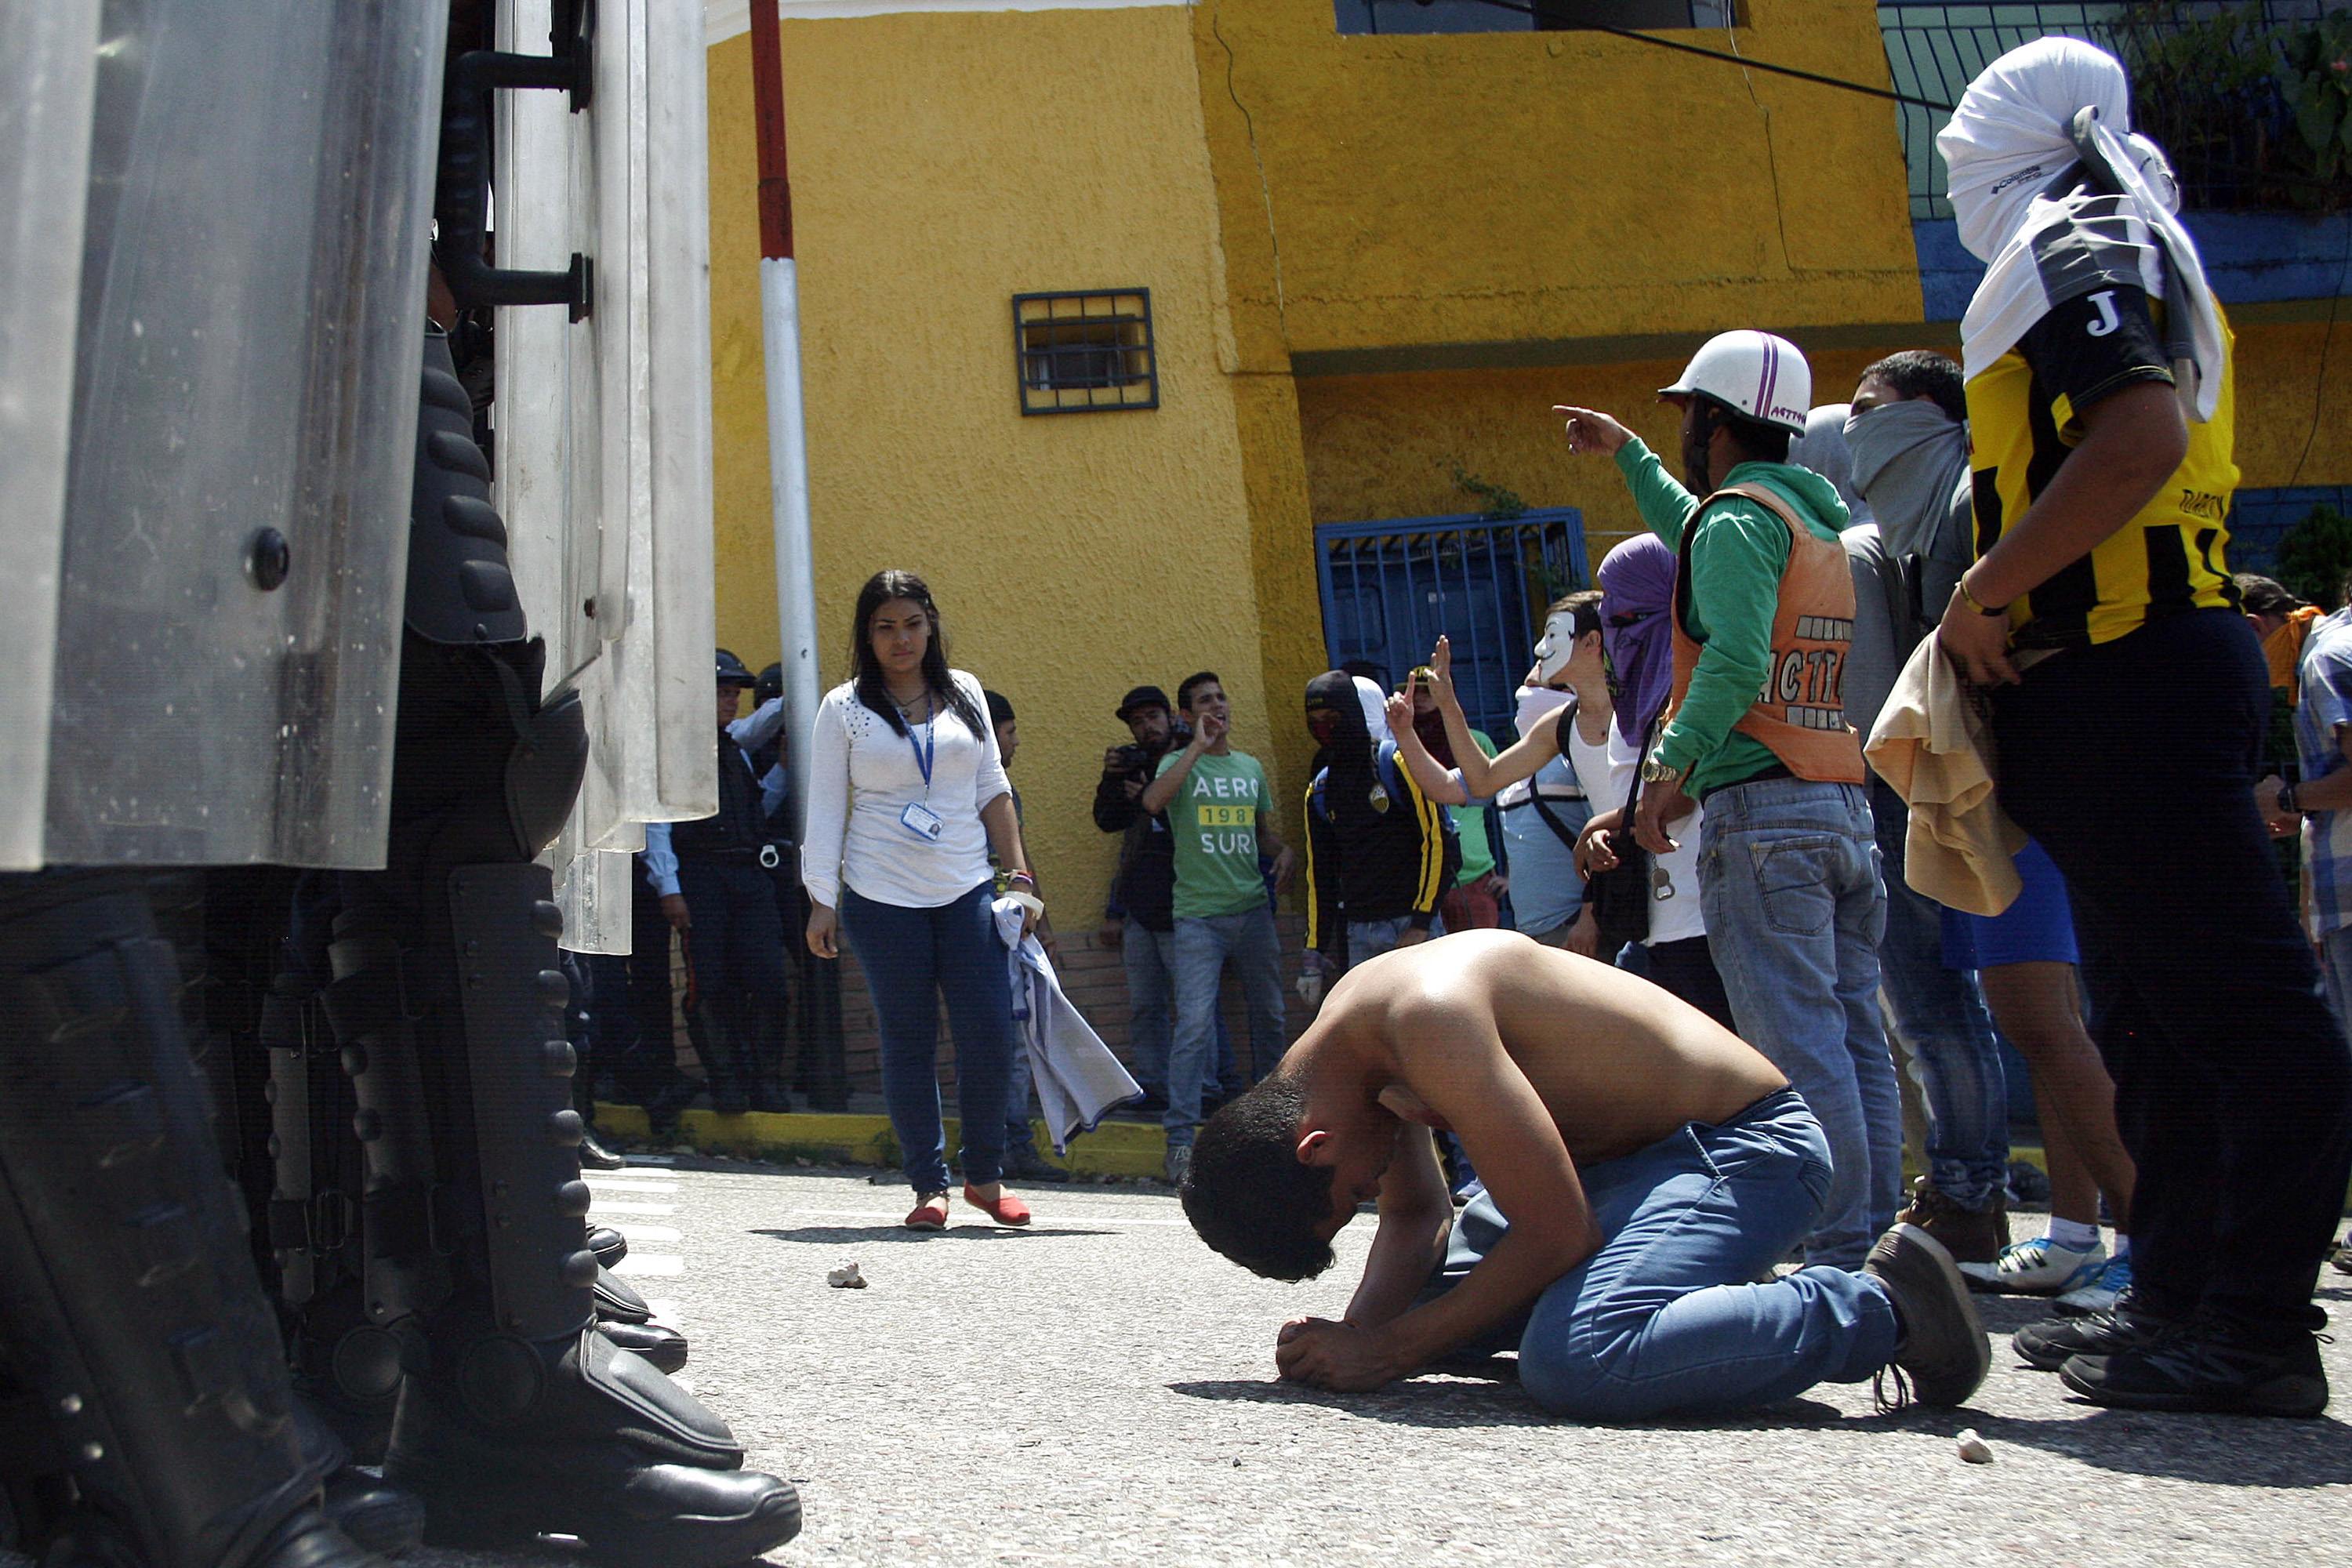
(2324, 710)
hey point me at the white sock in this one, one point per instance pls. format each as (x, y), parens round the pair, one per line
(2073, 1235)
(2123, 1245)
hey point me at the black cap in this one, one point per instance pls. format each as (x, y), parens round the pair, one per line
(1142, 697)
(771, 684)
(732, 672)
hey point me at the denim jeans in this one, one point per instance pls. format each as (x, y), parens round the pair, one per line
(1662, 1320)
(911, 958)
(1789, 880)
(1151, 958)
(2132, 763)
(1941, 1017)
(1370, 939)
(1203, 947)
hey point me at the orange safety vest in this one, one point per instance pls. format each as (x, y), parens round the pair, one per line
(1800, 713)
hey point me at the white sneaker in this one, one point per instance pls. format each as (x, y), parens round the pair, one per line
(2099, 1295)
(2038, 1268)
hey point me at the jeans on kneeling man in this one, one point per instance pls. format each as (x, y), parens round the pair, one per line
(1661, 1321)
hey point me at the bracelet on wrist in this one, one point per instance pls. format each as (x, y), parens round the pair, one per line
(1979, 606)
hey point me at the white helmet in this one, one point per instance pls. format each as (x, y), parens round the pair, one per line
(1755, 374)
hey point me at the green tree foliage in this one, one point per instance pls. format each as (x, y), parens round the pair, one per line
(2315, 557)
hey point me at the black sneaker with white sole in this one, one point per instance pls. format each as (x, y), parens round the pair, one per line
(1944, 1353)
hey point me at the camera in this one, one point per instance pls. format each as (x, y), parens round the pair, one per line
(1133, 758)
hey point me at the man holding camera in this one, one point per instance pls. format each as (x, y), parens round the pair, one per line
(1139, 918)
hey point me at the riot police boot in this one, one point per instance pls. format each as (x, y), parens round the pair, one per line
(517, 1419)
(626, 1319)
(518, 1416)
(376, 1515)
(129, 1302)
(346, 1366)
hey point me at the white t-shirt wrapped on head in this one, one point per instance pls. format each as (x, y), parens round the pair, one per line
(861, 776)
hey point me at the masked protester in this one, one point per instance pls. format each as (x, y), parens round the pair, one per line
(1381, 855)
(2128, 695)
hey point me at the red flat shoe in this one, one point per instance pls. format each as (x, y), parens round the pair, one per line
(931, 1214)
(1005, 1210)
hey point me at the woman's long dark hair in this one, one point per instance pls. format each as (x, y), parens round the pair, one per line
(879, 590)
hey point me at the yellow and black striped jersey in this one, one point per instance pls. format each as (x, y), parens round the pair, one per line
(2024, 418)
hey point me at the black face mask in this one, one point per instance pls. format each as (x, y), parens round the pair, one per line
(1331, 698)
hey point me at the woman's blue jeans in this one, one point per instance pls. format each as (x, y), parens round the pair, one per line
(1662, 1319)
(912, 958)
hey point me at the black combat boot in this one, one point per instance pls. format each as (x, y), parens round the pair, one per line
(129, 1303)
(517, 1419)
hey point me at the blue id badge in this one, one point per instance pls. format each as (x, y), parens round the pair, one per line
(922, 822)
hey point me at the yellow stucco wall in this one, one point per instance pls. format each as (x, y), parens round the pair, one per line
(2292, 430)
(1495, 187)
(941, 165)
(1389, 446)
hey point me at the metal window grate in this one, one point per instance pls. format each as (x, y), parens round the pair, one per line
(2214, 120)
(1082, 353)
(1390, 588)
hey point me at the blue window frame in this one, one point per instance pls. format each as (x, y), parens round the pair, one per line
(1390, 588)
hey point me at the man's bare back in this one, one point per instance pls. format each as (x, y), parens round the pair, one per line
(1618, 1062)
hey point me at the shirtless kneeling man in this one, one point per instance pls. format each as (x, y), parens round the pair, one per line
(1641, 1165)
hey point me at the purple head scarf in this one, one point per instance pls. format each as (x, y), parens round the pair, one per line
(1637, 589)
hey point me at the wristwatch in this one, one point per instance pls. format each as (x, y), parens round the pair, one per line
(1657, 772)
(2286, 801)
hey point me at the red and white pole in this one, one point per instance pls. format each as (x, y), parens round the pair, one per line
(780, 317)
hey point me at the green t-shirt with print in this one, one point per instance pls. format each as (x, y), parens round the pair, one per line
(1214, 820)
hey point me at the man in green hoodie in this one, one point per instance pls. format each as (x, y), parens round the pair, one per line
(1789, 872)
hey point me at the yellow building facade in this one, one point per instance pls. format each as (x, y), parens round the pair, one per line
(1374, 263)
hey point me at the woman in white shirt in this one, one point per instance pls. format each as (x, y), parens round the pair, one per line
(907, 796)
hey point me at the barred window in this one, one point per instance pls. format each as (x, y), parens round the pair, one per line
(1082, 353)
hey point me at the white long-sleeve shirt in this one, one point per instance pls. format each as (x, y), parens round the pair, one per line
(862, 775)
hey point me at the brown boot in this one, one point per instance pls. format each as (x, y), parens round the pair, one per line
(1968, 1235)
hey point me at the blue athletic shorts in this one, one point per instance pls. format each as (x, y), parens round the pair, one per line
(2039, 928)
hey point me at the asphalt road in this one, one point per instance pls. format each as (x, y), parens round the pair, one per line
(1099, 1391)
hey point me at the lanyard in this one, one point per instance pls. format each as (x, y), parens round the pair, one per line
(929, 749)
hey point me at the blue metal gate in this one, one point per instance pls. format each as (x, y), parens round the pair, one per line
(1390, 588)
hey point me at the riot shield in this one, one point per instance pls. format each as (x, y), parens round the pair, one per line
(48, 66)
(603, 443)
(251, 315)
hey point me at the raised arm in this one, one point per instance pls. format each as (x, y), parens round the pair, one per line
(1173, 770)
(1436, 779)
